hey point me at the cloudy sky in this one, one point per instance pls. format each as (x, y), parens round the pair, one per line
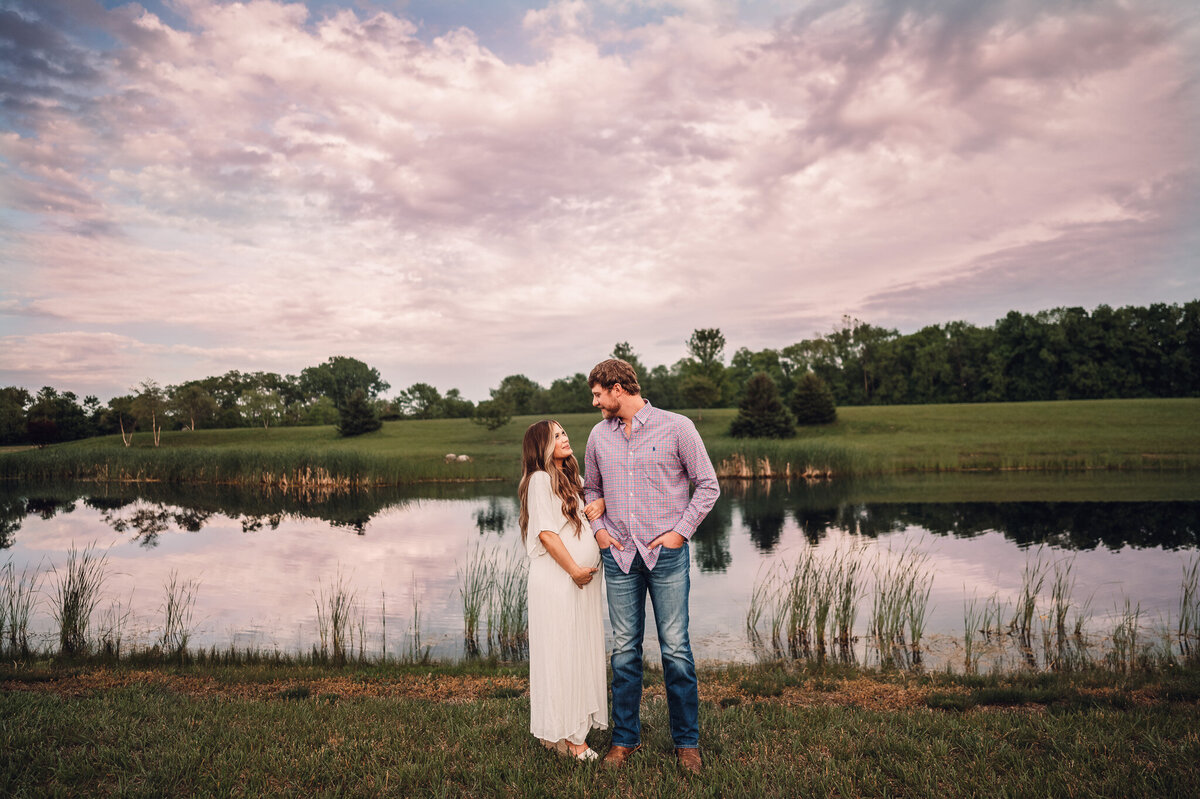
(455, 191)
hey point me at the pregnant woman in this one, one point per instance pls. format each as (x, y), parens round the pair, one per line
(567, 680)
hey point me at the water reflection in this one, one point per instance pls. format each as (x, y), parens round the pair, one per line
(763, 509)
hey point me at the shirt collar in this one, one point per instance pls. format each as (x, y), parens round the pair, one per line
(640, 418)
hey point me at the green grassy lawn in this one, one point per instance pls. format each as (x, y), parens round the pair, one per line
(1140, 435)
(765, 731)
(1154, 434)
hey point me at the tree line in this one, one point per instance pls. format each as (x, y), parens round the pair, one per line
(1063, 353)
(339, 391)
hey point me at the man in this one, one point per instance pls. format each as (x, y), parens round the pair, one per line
(642, 460)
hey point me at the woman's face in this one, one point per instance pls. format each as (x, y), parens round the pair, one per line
(562, 444)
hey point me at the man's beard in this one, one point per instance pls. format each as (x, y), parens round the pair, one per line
(605, 413)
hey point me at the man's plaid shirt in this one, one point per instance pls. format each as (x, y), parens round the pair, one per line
(645, 480)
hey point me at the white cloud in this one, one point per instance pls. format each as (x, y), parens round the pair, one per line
(271, 182)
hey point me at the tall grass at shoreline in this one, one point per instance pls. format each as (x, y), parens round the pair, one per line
(1033, 577)
(1189, 612)
(112, 626)
(511, 600)
(295, 468)
(179, 599)
(1049, 633)
(474, 587)
(416, 651)
(812, 607)
(493, 586)
(19, 592)
(337, 612)
(972, 620)
(76, 595)
(901, 603)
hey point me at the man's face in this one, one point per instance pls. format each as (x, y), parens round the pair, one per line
(606, 400)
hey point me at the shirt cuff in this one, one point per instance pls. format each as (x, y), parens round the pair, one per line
(685, 529)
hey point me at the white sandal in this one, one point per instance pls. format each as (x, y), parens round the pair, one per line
(564, 749)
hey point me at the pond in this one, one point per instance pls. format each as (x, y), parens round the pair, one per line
(260, 561)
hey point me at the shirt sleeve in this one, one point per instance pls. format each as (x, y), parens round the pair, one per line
(545, 512)
(700, 471)
(593, 481)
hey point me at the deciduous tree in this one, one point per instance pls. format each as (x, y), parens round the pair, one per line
(339, 377)
(189, 402)
(149, 403)
(420, 401)
(493, 414)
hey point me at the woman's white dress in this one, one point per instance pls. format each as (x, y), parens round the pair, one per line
(568, 691)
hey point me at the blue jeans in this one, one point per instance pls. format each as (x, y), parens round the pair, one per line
(668, 585)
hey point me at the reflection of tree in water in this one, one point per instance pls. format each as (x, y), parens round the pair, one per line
(12, 513)
(358, 525)
(148, 510)
(493, 518)
(870, 521)
(47, 507)
(146, 523)
(764, 507)
(254, 523)
(815, 523)
(1069, 525)
(710, 542)
(191, 520)
(107, 503)
(14, 508)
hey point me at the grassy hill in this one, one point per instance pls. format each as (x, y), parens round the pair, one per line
(1157, 434)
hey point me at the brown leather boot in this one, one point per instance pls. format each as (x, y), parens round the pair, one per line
(617, 754)
(688, 759)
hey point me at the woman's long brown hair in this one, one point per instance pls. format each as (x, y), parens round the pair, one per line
(537, 455)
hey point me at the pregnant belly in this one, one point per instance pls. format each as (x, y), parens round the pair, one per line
(583, 549)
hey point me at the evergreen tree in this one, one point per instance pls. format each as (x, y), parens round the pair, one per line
(812, 401)
(761, 414)
(358, 416)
